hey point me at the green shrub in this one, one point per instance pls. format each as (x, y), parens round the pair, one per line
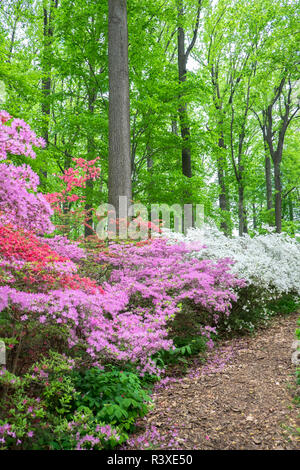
(285, 305)
(115, 397)
(85, 431)
(184, 347)
(51, 380)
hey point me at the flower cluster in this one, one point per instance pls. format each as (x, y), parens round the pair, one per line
(17, 138)
(64, 247)
(20, 203)
(74, 178)
(154, 438)
(165, 274)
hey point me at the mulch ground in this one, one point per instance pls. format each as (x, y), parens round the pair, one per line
(241, 398)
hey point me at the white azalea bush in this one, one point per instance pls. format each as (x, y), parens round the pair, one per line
(270, 265)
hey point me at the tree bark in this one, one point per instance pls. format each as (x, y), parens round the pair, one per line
(286, 115)
(291, 209)
(254, 216)
(183, 55)
(119, 171)
(278, 199)
(223, 196)
(182, 111)
(174, 127)
(242, 212)
(221, 158)
(268, 182)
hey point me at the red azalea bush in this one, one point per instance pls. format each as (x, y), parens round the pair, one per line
(31, 265)
(23, 245)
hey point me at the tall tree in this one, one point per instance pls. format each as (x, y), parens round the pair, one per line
(274, 131)
(183, 56)
(48, 22)
(119, 161)
(215, 51)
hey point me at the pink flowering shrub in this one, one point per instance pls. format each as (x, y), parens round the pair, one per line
(20, 203)
(17, 138)
(27, 263)
(166, 275)
(64, 247)
(159, 278)
(141, 226)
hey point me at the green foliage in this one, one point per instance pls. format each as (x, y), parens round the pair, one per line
(247, 320)
(285, 305)
(185, 347)
(21, 410)
(55, 406)
(298, 329)
(290, 227)
(115, 397)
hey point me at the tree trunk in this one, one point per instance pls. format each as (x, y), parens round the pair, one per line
(149, 159)
(278, 198)
(174, 127)
(268, 178)
(254, 216)
(245, 228)
(182, 58)
(119, 171)
(183, 117)
(291, 211)
(67, 164)
(242, 212)
(223, 196)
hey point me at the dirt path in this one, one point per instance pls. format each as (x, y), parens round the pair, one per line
(242, 398)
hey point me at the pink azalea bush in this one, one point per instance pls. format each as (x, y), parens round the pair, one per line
(17, 138)
(64, 247)
(20, 203)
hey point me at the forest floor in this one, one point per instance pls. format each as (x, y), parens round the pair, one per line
(241, 398)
